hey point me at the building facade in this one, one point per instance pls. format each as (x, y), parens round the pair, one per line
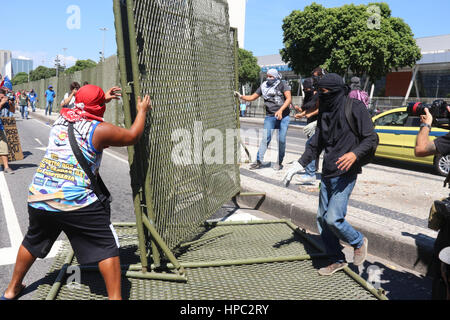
(237, 10)
(5, 63)
(21, 65)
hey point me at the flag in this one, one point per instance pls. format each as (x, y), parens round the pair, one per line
(7, 83)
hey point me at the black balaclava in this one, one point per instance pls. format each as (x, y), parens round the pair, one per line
(331, 107)
(308, 88)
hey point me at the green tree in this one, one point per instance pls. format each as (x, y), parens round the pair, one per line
(20, 78)
(365, 39)
(81, 65)
(42, 72)
(248, 68)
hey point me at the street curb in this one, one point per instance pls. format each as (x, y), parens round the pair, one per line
(413, 255)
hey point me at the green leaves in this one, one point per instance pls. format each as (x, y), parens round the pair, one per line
(19, 78)
(248, 67)
(81, 65)
(361, 38)
(42, 72)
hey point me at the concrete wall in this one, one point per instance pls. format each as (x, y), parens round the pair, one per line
(104, 75)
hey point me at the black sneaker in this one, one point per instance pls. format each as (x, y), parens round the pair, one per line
(256, 165)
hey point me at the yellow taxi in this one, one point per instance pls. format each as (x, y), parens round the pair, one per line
(398, 133)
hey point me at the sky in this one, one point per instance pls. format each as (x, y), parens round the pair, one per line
(40, 30)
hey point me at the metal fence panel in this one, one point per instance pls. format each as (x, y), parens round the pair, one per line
(182, 55)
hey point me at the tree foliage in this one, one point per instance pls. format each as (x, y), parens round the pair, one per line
(365, 39)
(42, 72)
(248, 67)
(20, 78)
(81, 65)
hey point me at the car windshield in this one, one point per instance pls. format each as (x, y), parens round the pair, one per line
(392, 119)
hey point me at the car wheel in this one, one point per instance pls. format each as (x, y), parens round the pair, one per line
(442, 164)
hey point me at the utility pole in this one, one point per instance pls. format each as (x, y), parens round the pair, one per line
(104, 36)
(65, 49)
(57, 65)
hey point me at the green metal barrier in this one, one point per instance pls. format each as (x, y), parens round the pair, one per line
(183, 54)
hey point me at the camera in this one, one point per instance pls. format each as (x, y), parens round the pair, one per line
(438, 109)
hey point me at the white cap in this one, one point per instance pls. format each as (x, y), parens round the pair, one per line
(444, 255)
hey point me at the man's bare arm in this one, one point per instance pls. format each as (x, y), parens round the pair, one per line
(425, 147)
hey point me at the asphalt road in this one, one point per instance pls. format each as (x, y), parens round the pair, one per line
(115, 172)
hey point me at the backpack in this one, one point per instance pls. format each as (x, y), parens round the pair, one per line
(351, 122)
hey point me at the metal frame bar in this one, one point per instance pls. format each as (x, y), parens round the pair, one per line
(144, 187)
(128, 123)
(53, 293)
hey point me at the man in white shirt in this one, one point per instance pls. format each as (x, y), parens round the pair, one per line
(69, 98)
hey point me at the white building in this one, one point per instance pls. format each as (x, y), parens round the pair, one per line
(237, 18)
(5, 63)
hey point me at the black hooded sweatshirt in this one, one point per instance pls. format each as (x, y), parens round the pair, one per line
(333, 134)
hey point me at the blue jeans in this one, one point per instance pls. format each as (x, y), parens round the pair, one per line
(333, 200)
(24, 111)
(270, 124)
(49, 108)
(310, 169)
(33, 106)
(6, 113)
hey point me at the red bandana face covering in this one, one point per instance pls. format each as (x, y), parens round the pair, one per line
(89, 105)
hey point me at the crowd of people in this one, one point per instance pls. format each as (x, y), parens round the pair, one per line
(25, 101)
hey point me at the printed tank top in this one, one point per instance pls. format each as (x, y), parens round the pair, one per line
(60, 184)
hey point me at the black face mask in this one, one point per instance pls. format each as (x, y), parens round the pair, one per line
(271, 82)
(326, 100)
(308, 94)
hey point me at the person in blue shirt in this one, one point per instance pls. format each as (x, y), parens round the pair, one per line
(50, 95)
(33, 99)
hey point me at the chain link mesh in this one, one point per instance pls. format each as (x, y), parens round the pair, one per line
(186, 63)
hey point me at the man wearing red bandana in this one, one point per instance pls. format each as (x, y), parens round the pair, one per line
(62, 197)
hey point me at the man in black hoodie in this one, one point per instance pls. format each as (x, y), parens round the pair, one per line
(341, 167)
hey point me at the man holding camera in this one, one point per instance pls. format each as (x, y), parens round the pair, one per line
(425, 147)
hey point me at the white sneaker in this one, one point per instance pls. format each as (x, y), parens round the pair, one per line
(304, 179)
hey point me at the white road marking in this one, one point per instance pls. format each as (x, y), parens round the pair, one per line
(12, 223)
(38, 141)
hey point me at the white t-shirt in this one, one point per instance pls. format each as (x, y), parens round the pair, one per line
(71, 104)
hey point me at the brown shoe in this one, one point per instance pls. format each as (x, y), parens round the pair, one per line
(332, 268)
(360, 254)
(256, 165)
(9, 171)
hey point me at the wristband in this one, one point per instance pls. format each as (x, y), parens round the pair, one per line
(425, 125)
